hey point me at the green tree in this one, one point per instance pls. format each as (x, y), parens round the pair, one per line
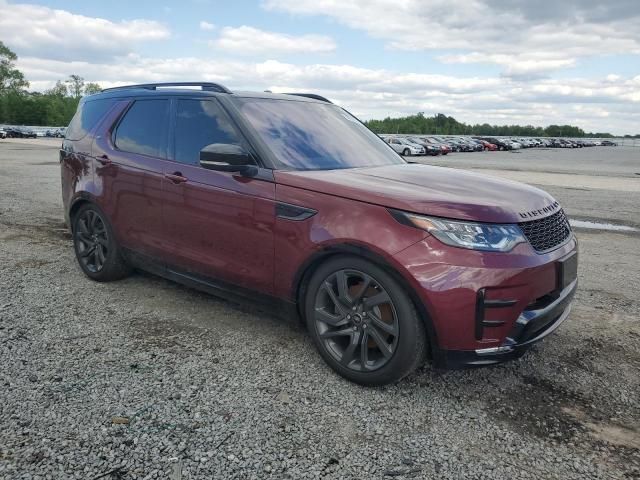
(11, 79)
(91, 88)
(441, 124)
(59, 90)
(76, 85)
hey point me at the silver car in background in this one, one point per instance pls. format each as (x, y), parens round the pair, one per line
(404, 147)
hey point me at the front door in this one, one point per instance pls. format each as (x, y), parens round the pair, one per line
(217, 224)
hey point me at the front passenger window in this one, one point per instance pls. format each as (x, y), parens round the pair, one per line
(200, 123)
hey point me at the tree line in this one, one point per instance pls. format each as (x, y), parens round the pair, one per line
(444, 125)
(54, 107)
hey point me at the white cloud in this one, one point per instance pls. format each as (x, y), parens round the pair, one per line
(526, 38)
(596, 105)
(34, 29)
(518, 65)
(53, 44)
(206, 26)
(250, 40)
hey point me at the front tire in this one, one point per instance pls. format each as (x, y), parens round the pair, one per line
(406, 152)
(94, 242)
(363, 322)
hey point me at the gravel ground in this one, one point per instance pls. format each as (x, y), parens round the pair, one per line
(143, 378)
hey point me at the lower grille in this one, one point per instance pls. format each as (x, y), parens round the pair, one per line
(547, 233)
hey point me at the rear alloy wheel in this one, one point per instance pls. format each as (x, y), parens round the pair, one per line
(95, 246)
(363, 323)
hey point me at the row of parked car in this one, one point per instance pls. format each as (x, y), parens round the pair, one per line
(25, 132)
(408, 145)
(17, 132)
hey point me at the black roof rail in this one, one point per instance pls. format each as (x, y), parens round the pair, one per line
(209, 86)
(311, 95)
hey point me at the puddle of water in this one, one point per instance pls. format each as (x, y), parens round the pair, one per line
(602, 226)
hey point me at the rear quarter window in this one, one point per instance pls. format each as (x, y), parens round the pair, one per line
(87, 117)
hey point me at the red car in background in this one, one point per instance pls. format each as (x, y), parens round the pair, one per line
(291, 201)
(488, 146)
(445, 149)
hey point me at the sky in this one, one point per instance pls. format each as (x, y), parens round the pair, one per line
(501, 62)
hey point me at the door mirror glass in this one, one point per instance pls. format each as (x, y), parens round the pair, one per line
(227, 157)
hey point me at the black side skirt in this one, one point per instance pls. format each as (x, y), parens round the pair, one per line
(282, 308)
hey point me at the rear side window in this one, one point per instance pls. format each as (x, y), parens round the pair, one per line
(87, 116)
(143, 129)
(200, 123)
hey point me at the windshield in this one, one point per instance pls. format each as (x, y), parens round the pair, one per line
(315, 136)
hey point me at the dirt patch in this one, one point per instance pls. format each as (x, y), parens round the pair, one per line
(558, 415)
(48, 231)
(15, 236)
(536, 406)
(624, 436)
(32, 263)
(173, 335)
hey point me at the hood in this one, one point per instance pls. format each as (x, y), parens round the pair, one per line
(429, 190)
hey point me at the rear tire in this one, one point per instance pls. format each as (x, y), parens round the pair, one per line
(363, 322)
(97, 250)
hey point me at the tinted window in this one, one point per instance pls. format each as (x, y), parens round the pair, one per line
(87, 116)
(143, 129)
(200, 123)
(316, 136)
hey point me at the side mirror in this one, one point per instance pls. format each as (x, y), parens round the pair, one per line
(227, 157)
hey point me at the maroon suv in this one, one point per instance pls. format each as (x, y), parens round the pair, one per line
(290, 200)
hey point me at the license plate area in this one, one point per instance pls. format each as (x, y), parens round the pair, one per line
(567, 270)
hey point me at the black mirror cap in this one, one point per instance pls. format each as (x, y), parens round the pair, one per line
(227, 157)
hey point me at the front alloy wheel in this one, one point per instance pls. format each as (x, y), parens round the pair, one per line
(356, 320)
(363, 321)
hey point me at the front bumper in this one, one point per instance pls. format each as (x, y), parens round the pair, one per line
(485, 307)
(532, 326)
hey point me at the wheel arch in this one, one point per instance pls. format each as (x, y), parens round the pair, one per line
(304, 273)
(80, 200)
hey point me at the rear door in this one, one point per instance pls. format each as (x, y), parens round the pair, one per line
(131, 153)
(218, 224)
(396, 145)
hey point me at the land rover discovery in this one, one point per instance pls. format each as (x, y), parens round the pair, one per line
(289, 200)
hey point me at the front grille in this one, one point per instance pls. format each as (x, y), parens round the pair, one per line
(547, 233)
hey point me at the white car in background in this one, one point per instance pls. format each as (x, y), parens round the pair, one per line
(405, 147)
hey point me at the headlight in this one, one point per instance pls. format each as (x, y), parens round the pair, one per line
(475, 236)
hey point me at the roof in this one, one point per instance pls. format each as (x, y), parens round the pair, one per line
(207, 89)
